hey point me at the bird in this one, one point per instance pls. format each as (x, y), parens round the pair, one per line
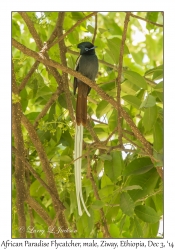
(87, 65)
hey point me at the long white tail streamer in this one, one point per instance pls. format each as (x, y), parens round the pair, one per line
(77, 166)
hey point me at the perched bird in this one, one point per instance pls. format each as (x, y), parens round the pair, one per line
(87, 65)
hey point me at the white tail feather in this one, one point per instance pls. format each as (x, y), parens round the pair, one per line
(77, 166)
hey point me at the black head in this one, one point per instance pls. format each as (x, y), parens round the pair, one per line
(86, 48)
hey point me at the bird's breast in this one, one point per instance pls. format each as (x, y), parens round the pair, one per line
(88, 66)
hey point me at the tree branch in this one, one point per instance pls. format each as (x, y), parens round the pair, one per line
(38, 41)
(91, 178)
(62, 48)
(95, 30)
(35, 174)
(72, 28)
(31, 28)
(146, 20)
(53, 98)
(47, 170)
(27, 77)
(19, 167)
(90, 83)
(118, 80)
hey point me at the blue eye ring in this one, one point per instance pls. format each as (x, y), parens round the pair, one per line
(87, 49)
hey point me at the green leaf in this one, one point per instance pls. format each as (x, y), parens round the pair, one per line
(147, 181)
(97, 204)
(15, 29)
(112, 122)
(36, 189)
(101, 30)
(43, 91)
(133, 100)
(105, 157)
(114, 45)
(113, 168)
(62, 101)
(52, 112)
(158, 157)
(152, 16)
(65, 158)
(24, 99)
(149, 118)
(158, 137)
(76, 15)
(159, 87)
(102, 108)
(136, 79)
(150, 101)
(147, 214)
(131, 187)
(114, 231)
(106, 192)
(127, 204)
(129, 88)
(159, 95)
(105, 181)
(90, 29)
(138, 232)
(158, 71)
(138, 166)
(32, 116)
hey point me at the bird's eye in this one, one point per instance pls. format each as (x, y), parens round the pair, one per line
(86, 49)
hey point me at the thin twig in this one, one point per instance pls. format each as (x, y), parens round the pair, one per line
(95, 30)
(27, 77)
(91, 178)
(98, 121)
(71, 29)
(19, 166)
(47, 170)
(62, 49)
(34, 173)
(146, 20)
(90, 83)
(53, 98)
(118, 80)
(133, 143)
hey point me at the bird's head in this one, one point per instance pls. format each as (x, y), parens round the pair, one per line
(86, 48)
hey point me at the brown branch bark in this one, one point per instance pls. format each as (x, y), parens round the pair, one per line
(95, 30)
(34, 173)
(146, 20)
(48, 172)
(27, 77)
(93, 85)
(105, 225)
(32, 224)
(42, 213)
(53, 98)
(31, 28)
(62, 48)
(71, 29)
(90, 176)
(40, 210)
(19, 166)
(40, 46)
(120, 67)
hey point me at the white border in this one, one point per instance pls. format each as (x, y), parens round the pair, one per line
(5, 94)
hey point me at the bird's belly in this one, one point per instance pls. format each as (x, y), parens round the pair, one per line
(88, 66)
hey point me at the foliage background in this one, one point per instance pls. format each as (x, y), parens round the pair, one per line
(122, 168)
